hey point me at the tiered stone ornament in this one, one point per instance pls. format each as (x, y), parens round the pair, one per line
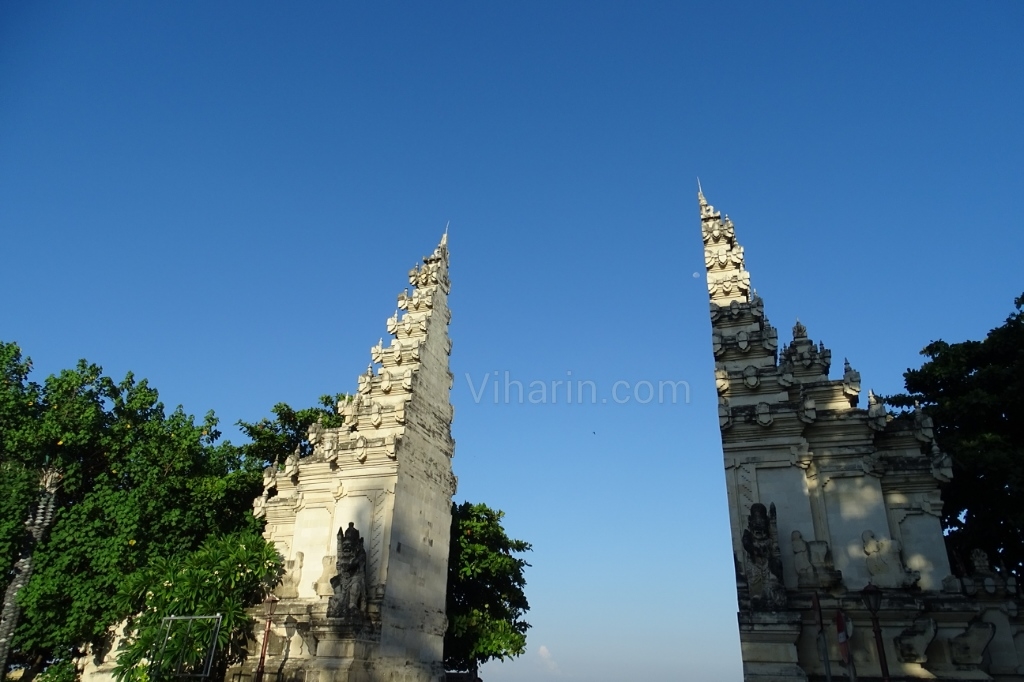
(825, 498)
(363, 522)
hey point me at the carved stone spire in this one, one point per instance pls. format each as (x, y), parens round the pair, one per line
(728, 279)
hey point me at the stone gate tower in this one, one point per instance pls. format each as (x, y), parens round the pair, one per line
(826, 498)
(363, 522)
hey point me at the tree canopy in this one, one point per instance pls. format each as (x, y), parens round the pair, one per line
(138, 483)
(486, 601)
(974, 391)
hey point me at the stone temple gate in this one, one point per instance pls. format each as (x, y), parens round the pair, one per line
(828, 496)
(363, 522)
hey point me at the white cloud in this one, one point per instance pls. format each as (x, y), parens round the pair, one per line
(548, 659)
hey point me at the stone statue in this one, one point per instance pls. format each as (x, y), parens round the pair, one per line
(763, 559)
(349, 598)
(885, 563)
(813, 562)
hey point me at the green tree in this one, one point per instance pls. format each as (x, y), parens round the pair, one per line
(138, 483)
(274, 439)
(224, 576)
(486, 602)
(974, 391)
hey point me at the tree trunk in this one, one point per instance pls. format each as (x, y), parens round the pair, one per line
(37, 524)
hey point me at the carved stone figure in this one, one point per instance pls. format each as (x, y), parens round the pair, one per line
(913, 642)
(813, 562)
(259, 506)
(851, 383)
(323, 586)
(885, 563)
(349, 598)
(876, 412)
(763, 559)
(315, 434)
(291, 464)
(968, 648)
(289, 587)
(924, 428)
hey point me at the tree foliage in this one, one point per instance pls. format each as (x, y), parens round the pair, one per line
(974, 391)
(486, 601)
(274, 439)
(139, 484)
(224, 576)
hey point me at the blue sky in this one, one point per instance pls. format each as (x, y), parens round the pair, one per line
(225, 198)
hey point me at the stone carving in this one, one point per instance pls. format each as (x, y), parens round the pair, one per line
(813, 562)
(350, 411)
(315, 435)
(385, 381)
(786, 378)
(885, 563)
(851, 382)
(808, 410)
(269, 478)
(366, 381)
(724, 413)
(403, 300)
(717, 344)
(259, 506)
(729, 282)
(375, 415)
(396, 351)
(763, 559)
(323, 585)
(349, 585)
(983, 577)
(763, 414)
(289, 587)
(924, 428)
(391, 445)
(291, 464)
(799, 330)
(393, 324)
(877, 417)
(743, 341)
(770, 337)
(968, 648)
(824, 357)
(750, 378)
(407, 380)
(913, 642)
(942, 464)
(377, 352)
(721, 380)
(360, 450)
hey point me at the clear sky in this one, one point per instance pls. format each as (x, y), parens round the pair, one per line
(225, 198)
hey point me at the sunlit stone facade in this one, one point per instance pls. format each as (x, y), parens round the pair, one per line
(828, 495)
